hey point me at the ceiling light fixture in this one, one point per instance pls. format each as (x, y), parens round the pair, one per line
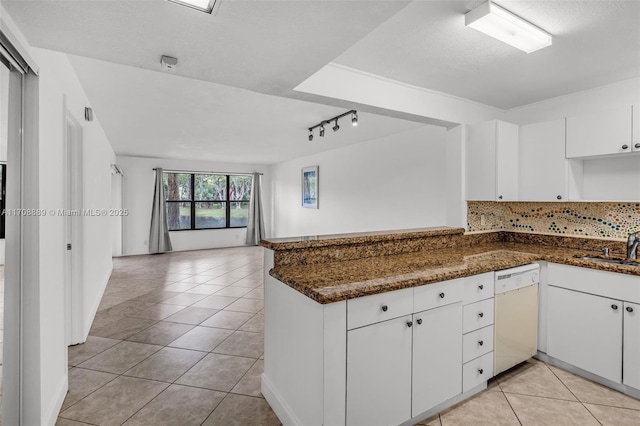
(503, 25)
(205, 6)
(336, 126)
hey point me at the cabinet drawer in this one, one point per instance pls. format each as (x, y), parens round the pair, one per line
(379, 307)
(431, 296)
(477, 371)
(478, 287)
(477, 315)
(477, 343)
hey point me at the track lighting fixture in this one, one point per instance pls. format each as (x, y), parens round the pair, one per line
(336, 126)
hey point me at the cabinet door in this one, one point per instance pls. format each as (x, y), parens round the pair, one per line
(585, 331)
(636, 127)
(631, 355)
(437, 357)
(492, 161)
(602, 133)
(379, 373)
(481, 162)
(545, 173)
(506, 161)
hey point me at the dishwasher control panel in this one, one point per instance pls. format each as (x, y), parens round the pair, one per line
(515, 278)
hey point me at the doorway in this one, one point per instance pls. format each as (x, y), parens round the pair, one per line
(73, 213)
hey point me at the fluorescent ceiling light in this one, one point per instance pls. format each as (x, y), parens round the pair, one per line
(201, 5)
(499, 23)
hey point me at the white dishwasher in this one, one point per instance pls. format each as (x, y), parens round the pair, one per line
(516, 316)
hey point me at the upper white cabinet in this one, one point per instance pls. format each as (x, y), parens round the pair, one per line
(603, 133)
(492, 161)
(544, 172)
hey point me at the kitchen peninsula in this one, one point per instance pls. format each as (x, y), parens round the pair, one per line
(339, 309)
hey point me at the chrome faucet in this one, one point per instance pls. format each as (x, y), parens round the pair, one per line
(632, 245)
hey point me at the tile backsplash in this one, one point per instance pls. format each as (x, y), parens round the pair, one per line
(600, 220)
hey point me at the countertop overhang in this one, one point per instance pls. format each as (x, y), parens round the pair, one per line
(340, 280)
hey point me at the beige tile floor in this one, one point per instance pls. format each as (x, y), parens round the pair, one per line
(178, 340)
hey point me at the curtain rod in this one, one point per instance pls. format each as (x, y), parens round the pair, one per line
(205, 172)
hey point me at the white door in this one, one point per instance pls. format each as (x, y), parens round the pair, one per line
(631, 355)
(379, 373)
(73, 231)
(437, 357)
(585, 331)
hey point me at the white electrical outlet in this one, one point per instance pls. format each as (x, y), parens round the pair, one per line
(483, 220)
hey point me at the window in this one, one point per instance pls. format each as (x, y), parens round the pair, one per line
(206, 201)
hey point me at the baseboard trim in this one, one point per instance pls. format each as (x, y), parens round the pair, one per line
(96, 304)
(627, 390)
(277, 403)
(446, 404)
(53, 411)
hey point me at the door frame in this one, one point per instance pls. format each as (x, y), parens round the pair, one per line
(73, 206)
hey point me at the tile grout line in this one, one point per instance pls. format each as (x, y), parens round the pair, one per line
(156, 321)
(510, 406)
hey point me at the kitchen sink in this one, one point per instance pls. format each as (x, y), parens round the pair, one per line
(613, 260)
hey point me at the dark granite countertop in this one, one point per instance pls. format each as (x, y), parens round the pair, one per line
(293, 243)
(339, 280)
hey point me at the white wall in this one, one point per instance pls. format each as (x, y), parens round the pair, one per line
(137, 191)
(614, 95)
(396, 182)
(45, 361)
(59, 85)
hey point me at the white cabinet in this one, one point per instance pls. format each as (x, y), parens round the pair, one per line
(603, 133)
(437, 356)
(544, 172)
(492, 161)
(631, 355)
(399, 368)
(586, 331)
(477, 326)
(379, 373)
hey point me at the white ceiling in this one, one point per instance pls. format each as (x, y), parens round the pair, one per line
(427, 45)
(161, 115)
(219, 106)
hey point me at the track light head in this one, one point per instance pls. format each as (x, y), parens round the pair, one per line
(322, 130)
(310, 135)
(354, 119)
(336, 127)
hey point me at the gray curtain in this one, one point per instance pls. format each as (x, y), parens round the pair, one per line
(159, 241)
(255, 225)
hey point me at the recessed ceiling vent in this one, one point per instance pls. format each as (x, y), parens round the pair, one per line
(169, 63)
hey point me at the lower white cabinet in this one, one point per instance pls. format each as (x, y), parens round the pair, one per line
(437, 356)
(586, 331)
(631, 355)
(379, 373)
(400, 368)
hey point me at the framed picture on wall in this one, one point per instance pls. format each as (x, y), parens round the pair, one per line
(310, 187)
